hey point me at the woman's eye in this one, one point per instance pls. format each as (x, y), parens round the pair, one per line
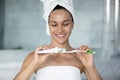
(54, 25)
(66, 24)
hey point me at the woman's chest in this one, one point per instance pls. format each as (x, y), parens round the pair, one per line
(63, 59)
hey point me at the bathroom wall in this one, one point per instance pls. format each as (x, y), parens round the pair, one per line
(24, 26)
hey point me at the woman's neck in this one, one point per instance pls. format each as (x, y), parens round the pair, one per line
(65, 45)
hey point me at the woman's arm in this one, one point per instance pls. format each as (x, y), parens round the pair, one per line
(27, 68)
(26, 74)
(90, 69)
(32, 63)
(92, 73)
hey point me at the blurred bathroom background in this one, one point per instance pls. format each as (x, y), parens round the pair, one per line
(22, 29)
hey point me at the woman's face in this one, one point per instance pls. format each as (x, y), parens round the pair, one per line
(60, 24)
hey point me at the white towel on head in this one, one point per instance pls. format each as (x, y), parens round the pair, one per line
(49, 5)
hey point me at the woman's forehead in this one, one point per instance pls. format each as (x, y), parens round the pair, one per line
(60, 15)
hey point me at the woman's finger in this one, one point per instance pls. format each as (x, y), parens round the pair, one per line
(84, 48)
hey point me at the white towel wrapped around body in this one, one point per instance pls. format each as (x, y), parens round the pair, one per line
(58, 73)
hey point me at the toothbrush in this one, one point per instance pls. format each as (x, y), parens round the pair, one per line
(73, 51)
(62, 50)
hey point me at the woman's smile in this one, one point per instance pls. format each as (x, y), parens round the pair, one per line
(61, 35)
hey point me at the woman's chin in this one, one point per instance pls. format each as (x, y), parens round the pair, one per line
(61, 41)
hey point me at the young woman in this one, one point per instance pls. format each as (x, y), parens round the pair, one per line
(59, 66)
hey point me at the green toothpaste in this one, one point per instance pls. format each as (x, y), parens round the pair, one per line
(90, 52)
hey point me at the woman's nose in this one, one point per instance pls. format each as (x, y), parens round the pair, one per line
(60, 28)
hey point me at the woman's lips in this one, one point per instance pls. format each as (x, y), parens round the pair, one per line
(60, 35)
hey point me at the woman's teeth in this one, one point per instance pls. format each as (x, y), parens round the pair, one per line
(60, 35)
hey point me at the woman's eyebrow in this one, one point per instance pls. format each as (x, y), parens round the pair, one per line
(52, 21)
(67, 20)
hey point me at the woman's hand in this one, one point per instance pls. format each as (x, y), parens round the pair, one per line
(40, 59)
(85, 58)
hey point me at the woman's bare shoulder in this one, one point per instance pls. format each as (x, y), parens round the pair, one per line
(30, 56)
(27, 61)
